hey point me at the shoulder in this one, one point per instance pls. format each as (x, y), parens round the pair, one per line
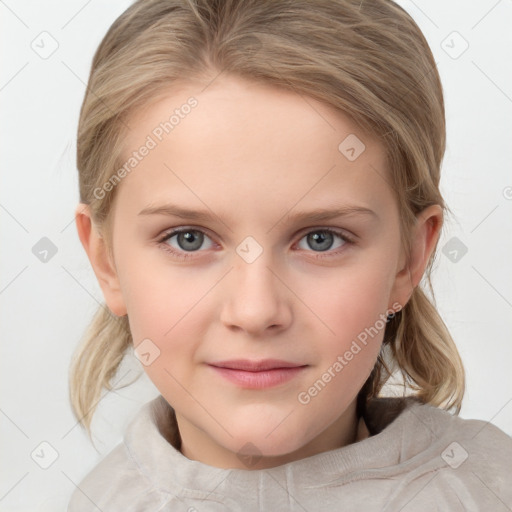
(474, 436)
(111, 485)
(464, 463)
(434, 424)
(122, 478)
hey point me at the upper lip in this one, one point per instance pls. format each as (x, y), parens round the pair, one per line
(255, 366)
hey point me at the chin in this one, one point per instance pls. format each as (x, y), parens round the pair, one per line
(268, 430)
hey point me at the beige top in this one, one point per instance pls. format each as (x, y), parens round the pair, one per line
(409, 457)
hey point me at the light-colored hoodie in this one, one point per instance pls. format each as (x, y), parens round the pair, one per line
(418, 458)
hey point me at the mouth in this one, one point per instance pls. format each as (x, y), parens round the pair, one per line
(258, 374)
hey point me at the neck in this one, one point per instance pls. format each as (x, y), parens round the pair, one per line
(197, 445)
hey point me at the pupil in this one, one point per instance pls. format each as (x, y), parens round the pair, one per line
(322, 237)
(188, 238)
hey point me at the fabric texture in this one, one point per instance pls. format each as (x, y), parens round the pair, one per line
(417, 458)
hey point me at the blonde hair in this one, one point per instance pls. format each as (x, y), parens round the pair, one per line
(368, 60)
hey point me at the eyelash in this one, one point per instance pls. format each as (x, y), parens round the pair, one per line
(186, 255)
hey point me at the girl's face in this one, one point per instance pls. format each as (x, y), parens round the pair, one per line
(256, 274)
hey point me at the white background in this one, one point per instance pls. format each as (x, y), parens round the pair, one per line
(45, 307)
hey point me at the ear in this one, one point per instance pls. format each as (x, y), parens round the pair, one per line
(97, 251)
(423, 242)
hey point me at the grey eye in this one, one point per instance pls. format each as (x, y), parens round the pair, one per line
(187, 239)
(321, 240)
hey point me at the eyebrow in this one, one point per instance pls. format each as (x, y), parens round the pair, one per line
(317, 214)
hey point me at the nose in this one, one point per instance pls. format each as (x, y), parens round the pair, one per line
(257, 300)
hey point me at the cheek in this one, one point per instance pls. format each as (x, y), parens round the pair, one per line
(353, 314)
(159, 299)
(353, 302)
(167, 327)
(170, 309)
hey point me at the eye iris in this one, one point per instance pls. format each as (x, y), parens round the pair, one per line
(192, 240)
(188, 237)
(321, 236)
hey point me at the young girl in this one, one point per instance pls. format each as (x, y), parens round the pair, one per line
(259, 200)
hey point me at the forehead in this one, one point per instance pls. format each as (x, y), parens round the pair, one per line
(250, 145)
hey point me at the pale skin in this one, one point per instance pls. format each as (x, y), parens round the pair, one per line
(251, 155)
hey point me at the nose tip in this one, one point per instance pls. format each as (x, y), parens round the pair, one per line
(255, 299)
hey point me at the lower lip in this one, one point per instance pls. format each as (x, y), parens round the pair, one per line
(259, 380)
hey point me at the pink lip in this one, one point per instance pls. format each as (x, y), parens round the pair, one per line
(257, 374)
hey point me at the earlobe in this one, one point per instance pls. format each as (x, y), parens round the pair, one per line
(423, 242)
(97, 251)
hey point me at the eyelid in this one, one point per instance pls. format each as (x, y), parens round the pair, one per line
(336, 230)
(179, 229)
(349, 239)
(302, 232)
